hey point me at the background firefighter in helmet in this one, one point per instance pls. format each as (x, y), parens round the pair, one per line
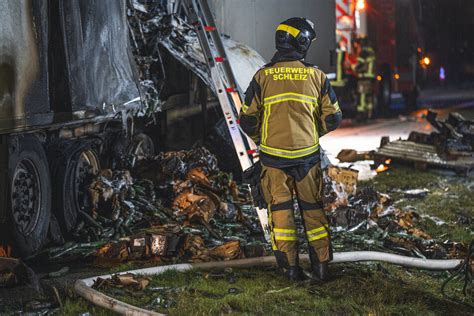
(288, 105)
(365, 69)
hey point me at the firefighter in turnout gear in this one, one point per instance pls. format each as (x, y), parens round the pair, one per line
(288, 106)
(365, 69)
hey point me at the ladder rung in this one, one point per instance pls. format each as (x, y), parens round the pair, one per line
(209, 28)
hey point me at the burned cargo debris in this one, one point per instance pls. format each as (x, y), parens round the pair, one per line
(176, 204)
(157, 34)
(450, 146)
(366, 219)
(153, 31)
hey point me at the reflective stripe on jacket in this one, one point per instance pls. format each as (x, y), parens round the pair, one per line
(288, 106)
(366, 64)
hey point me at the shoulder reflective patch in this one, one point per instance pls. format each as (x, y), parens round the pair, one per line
(291, 96)
(289, 29)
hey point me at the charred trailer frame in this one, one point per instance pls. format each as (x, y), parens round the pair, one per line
(68, 91)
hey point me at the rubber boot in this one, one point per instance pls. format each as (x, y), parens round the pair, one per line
(295, 274)
(320, 269)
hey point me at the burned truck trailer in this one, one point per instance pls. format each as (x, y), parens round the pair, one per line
(80, 81)
(66, 76)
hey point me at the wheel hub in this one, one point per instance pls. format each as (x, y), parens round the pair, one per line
(26, 196)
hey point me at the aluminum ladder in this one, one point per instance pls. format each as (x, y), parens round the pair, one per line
(230, 99)
(199, 15)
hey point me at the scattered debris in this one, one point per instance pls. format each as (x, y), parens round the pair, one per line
(15, 272)
(351, 155)
(452, 146)
(127, 280)
(369, 219)
(340, 183)
(416, 193)
(174, 205)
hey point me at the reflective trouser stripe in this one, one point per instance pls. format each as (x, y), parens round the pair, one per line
(285, 234)
(289, 153)
(317, 233)
(319, 229)
(284, 230)
(285, 238)
(362, 106)
(318, 237)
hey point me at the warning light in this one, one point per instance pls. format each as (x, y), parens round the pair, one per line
(396, 76)
(442, 73)
(360, 5)
(426, 61)
(379, 78)
(418, 49)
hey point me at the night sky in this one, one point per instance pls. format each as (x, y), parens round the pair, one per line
(448, 31)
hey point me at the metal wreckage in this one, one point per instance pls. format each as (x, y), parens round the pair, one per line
(179, 207)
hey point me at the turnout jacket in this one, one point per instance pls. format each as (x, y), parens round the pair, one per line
(288, 106)
(366, 64)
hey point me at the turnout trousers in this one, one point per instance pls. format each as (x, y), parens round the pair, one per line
(365, 99)
(279, 188)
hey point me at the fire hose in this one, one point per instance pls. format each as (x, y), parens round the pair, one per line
(84, 287)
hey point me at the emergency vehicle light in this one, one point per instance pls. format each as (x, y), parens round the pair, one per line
(360, 5)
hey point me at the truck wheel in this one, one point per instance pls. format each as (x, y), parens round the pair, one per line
(30, 194)
(141, 147)
(73, 166)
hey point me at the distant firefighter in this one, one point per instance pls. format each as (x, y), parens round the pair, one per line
(365, 69)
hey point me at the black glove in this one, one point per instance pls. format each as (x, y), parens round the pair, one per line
(251, 177)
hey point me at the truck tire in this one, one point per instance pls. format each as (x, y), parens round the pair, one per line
(140, 147)
(123, 152)
(73, 166)
(30, 194)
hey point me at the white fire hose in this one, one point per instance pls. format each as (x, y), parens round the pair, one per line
(84, 287)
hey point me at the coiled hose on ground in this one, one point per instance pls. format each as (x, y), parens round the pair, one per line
(84, 287)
